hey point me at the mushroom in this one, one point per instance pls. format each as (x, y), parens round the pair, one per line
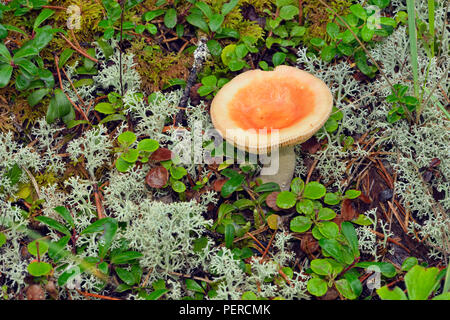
(270, 112)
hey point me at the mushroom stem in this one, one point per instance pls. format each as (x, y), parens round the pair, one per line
(286, 163)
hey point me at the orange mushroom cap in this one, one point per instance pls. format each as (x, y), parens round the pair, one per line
(259, 110)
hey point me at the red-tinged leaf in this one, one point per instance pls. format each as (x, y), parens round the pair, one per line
(218, 184)
(161, 154)
(308, 244)
(311, 146)
(348, 212)
(157, 177)
(365, 199)
(271, 201)
(435, 162)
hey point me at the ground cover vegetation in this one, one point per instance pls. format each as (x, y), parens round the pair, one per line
(97, 200)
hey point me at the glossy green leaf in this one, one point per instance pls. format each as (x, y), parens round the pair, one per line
(65, 214)
(420, 282)
(52, 223)
(314, 190)
(39, 269)
(33, 247)
(286, 199)
(300, 224)
(321, 267)
(5, 74)
(396, 294)
(317, 287)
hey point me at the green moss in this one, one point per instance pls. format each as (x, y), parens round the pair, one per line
(156, 66)
(316, 15)
(236, 21)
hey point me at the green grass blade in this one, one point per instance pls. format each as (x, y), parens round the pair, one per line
(431, 11)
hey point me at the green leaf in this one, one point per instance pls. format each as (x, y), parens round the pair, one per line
(297, 185)
(336, 250)
(288, 12)
(300, 224)
(155, 295)
(326, 214)
(197, 21)
(349, 232)
(352, 276)
(214, 47)
(36, 96)
(314, 190)
(194, 286)
(321, 267)
(229, 235)
(150, 15)
(420, 282)
(367, 33)
(317, 287)
(148, 145)
(387, 269)
(278, 58)
(352, 194)
(286, 199)
(343, 286)
(178, 186)
(210, 81)
(396, 294)
(122, 165)
(205, 90)
(216, 21)
(178, 172)
(170, 18)
(56, 249)
(381, 3)
(359, 11)
(65, 214)
(113, 117)
(126, 276)
(68, 274)
(227, 7)
(65, 56)
(53, 224)
(249, 295)
(32, 247)
(305, 206)
(125, 257)
(361, 63)
(39, 269)
(267, 187)
(4, 54)
(328, 52)
(44, 15)
(59, 106)
(3, 31)
(126, 138)
(442, 296)
(329, 229)
(206, 9)
(130, 156)
(297, 31)
(2, 239)
(232, 185)
(332, 30)
(332, 198)
(5, 74)
(25, 52)
(317, 42)
(408, 263)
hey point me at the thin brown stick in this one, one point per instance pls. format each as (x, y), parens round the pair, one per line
(80, 51)
(67, 96)
(94, 295)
